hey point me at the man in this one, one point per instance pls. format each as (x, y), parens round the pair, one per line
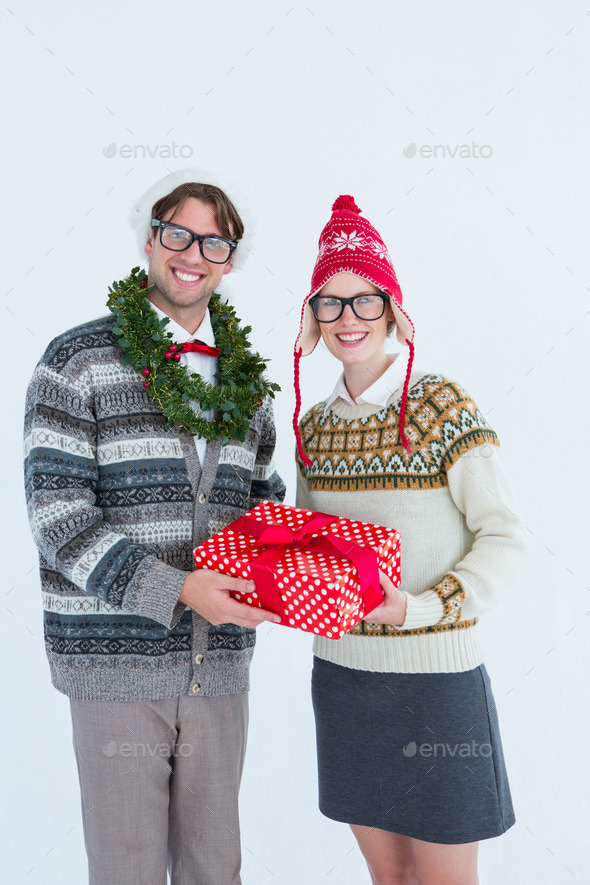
(128, 468)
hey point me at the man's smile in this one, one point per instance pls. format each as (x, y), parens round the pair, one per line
(184, 276)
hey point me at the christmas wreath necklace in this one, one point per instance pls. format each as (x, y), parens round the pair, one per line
(149, 349)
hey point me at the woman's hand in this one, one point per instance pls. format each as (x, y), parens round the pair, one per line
(393, 608)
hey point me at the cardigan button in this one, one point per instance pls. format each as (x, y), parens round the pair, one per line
(195, 688)
(199, 658)
(202, 498)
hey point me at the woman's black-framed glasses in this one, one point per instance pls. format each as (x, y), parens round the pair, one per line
(217, 250)
(328, 309)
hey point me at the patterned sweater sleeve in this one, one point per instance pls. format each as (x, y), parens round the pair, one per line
(267, 485)
(481, 491)
(61, 475)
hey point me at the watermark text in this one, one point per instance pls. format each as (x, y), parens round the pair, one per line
(438, 749)
(129, 751)
(471, 151)
(147, 151)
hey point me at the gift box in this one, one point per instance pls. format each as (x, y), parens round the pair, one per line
(319, 572)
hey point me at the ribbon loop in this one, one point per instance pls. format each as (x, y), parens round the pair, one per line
(274, 534)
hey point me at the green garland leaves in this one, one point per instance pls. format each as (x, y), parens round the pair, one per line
(144, 340)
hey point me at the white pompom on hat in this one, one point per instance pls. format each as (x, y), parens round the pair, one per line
(140, 214)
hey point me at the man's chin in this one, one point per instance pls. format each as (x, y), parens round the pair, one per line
(179, 299)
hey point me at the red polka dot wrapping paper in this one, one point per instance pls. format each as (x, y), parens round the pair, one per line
(320, 593)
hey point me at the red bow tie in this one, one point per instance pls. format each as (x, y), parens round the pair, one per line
(199, 347)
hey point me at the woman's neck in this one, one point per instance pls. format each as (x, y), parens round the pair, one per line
(359, 377)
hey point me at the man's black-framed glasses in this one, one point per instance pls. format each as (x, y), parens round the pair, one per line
(328, 308)
(217, 250)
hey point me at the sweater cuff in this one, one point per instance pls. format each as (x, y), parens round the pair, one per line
(156, 594)
(423, 610)
(451, 593)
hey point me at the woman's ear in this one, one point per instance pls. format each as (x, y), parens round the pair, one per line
(391, 324)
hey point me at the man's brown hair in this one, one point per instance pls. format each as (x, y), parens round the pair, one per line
(223, 210)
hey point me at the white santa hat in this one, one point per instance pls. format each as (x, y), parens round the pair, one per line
(140, 214)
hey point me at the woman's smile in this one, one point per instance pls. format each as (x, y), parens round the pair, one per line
(351, 339)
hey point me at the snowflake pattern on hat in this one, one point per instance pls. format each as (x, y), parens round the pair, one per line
(380, 250)
(347, 241)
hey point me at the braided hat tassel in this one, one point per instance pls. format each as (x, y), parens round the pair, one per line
(402, 408)
(306, 460)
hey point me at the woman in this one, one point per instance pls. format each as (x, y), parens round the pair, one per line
(409, 751)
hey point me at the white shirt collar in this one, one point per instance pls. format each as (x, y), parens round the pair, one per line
(381, 389)
(204, 333)
(203, 365)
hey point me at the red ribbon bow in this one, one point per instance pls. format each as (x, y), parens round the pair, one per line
(199, 347)
(280, 537)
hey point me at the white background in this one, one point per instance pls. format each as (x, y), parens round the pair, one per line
(297, 104)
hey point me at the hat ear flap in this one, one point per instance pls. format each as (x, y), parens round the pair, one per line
(309, 334)
(404, 325)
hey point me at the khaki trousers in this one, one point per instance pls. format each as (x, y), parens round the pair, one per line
(159, 783)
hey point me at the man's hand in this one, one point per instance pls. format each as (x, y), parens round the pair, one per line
(393, 608)
(207, 593)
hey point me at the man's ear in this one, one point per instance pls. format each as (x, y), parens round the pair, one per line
(227, 267)
(149, 246)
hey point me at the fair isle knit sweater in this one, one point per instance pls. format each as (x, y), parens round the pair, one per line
(462, 541)
(117, 501)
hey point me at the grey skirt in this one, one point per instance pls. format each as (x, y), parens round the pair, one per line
(417, 754)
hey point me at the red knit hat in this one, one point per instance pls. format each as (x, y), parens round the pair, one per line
(349, 243)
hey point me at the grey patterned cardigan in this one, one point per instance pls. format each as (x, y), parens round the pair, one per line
(117, 500)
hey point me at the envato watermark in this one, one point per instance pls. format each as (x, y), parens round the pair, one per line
(471, 151)
(429, 751)
(484, 451)
(145, 151)
(128, 751)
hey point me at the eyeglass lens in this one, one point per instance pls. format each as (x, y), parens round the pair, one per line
(178, 238)
(366, 307)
